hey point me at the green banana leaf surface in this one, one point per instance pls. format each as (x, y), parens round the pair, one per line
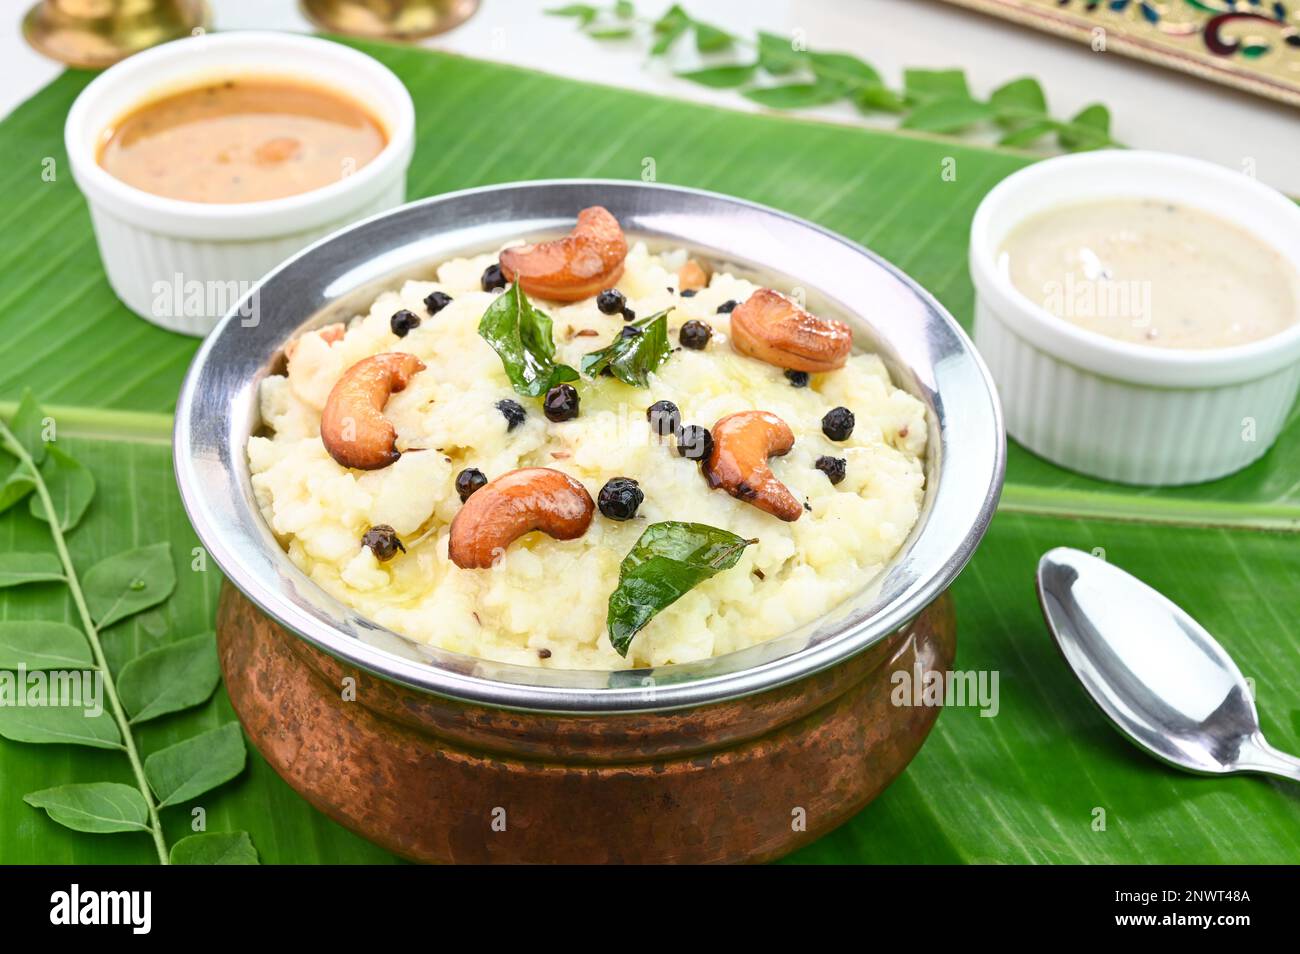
(1044, 779)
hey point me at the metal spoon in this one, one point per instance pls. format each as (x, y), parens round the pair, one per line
(1153, 670)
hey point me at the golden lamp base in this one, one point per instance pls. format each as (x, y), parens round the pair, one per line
(93, 34)
(388, 19)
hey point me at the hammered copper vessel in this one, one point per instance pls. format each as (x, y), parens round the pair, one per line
(443, 757)
(438, 780)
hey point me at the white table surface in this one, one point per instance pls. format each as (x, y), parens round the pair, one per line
(1152, 108)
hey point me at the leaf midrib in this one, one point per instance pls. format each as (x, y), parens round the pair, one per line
(1132, 507)
(146, 427)
(132, 427)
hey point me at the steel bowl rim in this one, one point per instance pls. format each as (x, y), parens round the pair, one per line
(532, 697)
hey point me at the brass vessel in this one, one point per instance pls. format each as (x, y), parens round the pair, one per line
(388, 19)
(93, 34)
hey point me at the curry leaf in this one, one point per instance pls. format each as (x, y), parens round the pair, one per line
(19, 568)
(28, 426)
(1019, 102)
(98, 807)
(43, 644)
(71, 488)
(667, 561)
(1027, 135)
(585, 13)
(669, 28)
(1089, 129)
(721, 77)
(215, 848)
(16, 486)
(664, 42)
(710, 39)
(842, 68)
(873, 98)
(522, 338)
(43, 723)
(632, 358)
(169, 679)
(796, 95)
(128, 582)
(922, 85)
(947, 115)
(777, 54)
(196, 765)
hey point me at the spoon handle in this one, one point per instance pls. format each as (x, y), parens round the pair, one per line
(1259, 756)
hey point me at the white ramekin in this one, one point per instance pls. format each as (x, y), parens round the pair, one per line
(1113, 409)
(165, 256)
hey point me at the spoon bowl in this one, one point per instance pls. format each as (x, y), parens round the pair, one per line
(1157, 674)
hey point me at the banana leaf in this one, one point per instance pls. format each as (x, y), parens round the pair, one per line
(1025, 785)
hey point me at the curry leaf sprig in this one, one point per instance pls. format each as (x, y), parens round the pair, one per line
(523, 337)
(667, 561)
(779, 73)
(36, 656)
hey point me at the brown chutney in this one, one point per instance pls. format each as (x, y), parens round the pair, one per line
(242, 139)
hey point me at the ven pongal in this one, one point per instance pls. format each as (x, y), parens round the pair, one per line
(640, 461)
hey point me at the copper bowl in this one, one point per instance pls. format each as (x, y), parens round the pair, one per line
(444, 757)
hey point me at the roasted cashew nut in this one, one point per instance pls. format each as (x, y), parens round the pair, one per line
(502, 511)
(693, 276)
(583, 263)
(352, 426)
(742, 443)
(772, 328)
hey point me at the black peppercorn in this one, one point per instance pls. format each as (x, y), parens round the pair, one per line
(382, 541)
(619, 498)
(493, 278)
(832, 467)
(688, 292)
(798, 379)
(629, 314)
(695, 335)
(561, 403)
(469, 480)
(727, 307)
(664, 418)
(403, 322)
(513, 413)
(694, 442)
(436, 301)
(838, 423)
(610, 301)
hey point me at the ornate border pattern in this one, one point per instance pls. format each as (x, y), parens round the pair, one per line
(1252, 45)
